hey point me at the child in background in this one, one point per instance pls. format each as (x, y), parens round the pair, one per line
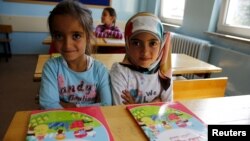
(74, 79)
(145, 73)
(108, 28)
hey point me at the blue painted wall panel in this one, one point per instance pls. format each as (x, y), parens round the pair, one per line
(31, 43)
(24, 43)
(231, 55)
(236, 67)
(13, 8)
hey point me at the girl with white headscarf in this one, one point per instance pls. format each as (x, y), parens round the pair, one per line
(145, 73)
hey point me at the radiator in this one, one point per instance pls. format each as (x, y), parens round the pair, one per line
(191, 46)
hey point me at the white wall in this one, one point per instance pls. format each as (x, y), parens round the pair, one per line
(29, 22)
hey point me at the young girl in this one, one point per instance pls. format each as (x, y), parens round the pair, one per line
(108, 28)
(74, 79)
(145, 73)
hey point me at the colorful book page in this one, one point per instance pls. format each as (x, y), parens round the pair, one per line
(54, 55)
(85, 124)
(114, 41)
(168, 122)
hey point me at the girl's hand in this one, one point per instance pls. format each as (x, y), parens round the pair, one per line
(165, 64)
(157, 99)
(67, 105)
(128, 99)
(108, 31)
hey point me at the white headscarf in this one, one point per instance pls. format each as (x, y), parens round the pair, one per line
(147, 22)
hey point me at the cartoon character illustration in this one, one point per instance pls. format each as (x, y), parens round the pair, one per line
(31, 131)
(64, 125)
(166, 125)
(173, 117)
(173, 122)
(179, 119)
(150, 127)
(60, 135)
(90, 131)
(41, 131)
(78, 127)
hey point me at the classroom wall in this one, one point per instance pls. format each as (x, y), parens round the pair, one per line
(231, 55)
(30, 22)
(200, 16)
(236, 66)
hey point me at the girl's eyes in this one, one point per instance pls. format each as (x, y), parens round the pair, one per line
(76, 36)
(153, 43)
(137, 43)
(57, 36)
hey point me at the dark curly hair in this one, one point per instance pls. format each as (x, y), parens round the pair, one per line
(77, 10)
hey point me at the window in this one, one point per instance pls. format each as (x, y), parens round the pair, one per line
(172, 11)
(235, 18)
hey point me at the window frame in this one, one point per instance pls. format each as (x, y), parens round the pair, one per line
(173, 21)
(222, 27)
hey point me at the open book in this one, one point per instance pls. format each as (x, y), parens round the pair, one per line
(54, 55)
(114, 41)
(168, 122)
(86, 124)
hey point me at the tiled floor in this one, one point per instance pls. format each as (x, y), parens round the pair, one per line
(17, 89)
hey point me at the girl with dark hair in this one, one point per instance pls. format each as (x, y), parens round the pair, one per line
(74, 79)
(108, 29)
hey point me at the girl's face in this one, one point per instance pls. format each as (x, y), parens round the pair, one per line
(107, 19)
(69, 37)
(144, 49)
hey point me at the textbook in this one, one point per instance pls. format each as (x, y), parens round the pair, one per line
(168, 122)
(85, 124)
(114, 41)
(54, 55)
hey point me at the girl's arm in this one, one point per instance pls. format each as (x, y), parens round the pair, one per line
(48, 94)
(127, 98)
(103, 88)
(116, 33)
(118, 84)
(100, 32)
(167, 95)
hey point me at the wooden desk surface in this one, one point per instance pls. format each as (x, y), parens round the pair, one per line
(107, 59)
(181, 64)
(100, 42)
(185, 64)
(225, 110)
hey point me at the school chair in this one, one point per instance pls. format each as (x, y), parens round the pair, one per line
(5, 40)
(52, 48)
(199, 88)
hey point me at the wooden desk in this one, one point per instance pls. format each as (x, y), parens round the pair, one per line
(106, 59)
(185, 64)
(101, 45)
(39, 66)
(99, 42)
(225, 110)
(181, 64)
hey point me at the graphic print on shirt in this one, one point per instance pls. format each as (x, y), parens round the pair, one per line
(60, 81)
(144, 95)
(78, 93)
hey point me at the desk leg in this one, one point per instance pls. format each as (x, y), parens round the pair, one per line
(106, 49)
(207, 75)
(204, 75)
